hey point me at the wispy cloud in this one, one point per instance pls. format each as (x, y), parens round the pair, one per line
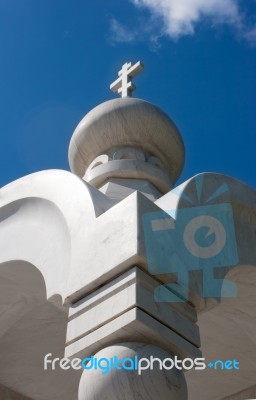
(250, 35)
(177, 18)
(120, 33)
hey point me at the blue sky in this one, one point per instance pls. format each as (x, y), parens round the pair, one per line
(58, 58)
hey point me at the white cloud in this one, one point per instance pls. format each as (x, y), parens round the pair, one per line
(177, 18)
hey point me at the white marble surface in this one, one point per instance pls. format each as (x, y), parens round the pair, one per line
(69, 232)
(228, 331)
(117, 189)
(131, 276)
(133, 289)
(134, 325)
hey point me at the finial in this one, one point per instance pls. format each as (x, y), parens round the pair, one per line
(123, 85)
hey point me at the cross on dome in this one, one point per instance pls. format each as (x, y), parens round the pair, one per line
(123, 85)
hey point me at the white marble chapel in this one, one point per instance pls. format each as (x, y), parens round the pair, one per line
(76, 278)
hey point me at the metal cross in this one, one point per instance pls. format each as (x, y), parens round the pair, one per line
(123, 85)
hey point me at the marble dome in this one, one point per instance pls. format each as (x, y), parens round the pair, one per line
(127, 122)
(121, 384)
